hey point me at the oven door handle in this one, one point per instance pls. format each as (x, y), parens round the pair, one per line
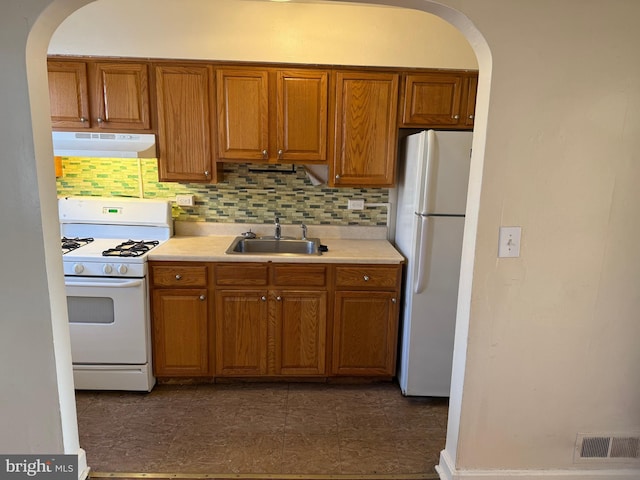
(122, 284)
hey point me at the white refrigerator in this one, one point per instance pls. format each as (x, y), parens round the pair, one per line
(429, 223)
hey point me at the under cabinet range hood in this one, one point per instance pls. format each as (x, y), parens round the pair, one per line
(104, 145)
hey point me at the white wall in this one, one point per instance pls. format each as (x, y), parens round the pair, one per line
(37, 408)
(553, 335)
(263, 31)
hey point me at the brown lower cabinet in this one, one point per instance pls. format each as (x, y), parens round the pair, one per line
(241, 332)
(364, 336)
(181, 320)
(365, 331)
(277, 320)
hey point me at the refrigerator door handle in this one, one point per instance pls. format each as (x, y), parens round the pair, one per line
(420, 278)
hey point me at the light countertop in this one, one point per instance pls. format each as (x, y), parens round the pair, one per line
(211, 248)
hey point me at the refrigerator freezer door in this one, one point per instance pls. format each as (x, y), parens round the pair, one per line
(410, 183)
(448, 172)
(429, 317)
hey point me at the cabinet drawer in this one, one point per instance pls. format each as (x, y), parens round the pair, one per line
(234, 274)
(179, 276)
(299, 275)
(367, 276)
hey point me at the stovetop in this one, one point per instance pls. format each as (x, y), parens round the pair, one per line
(105, 249)
(109, 257)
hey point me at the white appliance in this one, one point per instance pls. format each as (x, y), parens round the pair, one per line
(429, 225)
(105, 246)
(104, 144)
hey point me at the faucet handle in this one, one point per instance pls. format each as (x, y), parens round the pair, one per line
(304, 231)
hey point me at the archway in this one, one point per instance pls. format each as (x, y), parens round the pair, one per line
(51, 14)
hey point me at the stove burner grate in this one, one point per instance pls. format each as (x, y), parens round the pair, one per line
(130, 248)
(69, 244)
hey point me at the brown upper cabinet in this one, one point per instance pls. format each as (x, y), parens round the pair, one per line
(206, 112)
(111, 96)
(185, 106)
(272, 115)
(364, 150)
(439, 99)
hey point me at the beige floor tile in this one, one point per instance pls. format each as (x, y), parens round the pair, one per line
(261, 419)
(363, 422)
(209, 420)
(420, 455)
(256, 453)
(311, 454)
(311, 421)
(262, 428)
(271, 394)
(202, 452)
(372, 454)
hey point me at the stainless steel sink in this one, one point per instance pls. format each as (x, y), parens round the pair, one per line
(272, 246)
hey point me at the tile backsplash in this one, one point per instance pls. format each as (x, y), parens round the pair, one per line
(244, 196)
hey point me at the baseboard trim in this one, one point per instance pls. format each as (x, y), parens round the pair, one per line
(83, 469)
(447, 471)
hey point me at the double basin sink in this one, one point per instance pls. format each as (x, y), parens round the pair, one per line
(273, 246)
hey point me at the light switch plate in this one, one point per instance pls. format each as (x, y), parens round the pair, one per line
(509, 242)
(184, 200)
(355, 204)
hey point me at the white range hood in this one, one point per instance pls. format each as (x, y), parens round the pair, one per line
(104, 145)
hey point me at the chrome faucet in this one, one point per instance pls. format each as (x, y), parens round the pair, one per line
(278, 234)
(304, 231)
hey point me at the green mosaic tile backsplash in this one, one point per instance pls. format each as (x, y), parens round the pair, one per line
(244, 196)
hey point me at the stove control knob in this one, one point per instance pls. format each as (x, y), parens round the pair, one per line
(122, 269)
(78, 268)
(107, 269)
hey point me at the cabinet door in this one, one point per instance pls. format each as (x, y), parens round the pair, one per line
(301, 124)
(472, 88)
(243, 114)
(121, 96)
(365, 131)
(180, 332)
(68, 94)
(365, 333)
(241, 332)
(300, 332)
(185, 130)
(433, 100)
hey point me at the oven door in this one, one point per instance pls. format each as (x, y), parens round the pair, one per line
(108, 320)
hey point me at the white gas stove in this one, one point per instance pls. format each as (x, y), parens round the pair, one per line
(105, 246)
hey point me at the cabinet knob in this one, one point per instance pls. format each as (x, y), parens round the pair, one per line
(263, 298)
(279, 298)
(393, 300)
(456, 117)
(337, 177)
(206, 173)
(99, 120)
(366, 278)
(265, 154)
(471, 117)
(178, 277)
(280, 152)
(202, 298)
(83, 119)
